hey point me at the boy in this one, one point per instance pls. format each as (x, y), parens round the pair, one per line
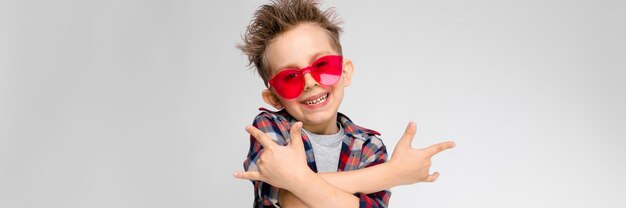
(308, 154)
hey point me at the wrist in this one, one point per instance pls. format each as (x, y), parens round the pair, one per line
(393, 173)
(302, 180)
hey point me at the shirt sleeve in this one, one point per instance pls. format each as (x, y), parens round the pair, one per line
(374, 153)
(265, 195)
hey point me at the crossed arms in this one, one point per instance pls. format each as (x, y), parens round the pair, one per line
(285, 167)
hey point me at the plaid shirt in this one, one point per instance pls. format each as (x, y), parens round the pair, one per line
(360, 149)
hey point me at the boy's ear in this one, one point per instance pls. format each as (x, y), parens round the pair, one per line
(348, 71)
(270, 98)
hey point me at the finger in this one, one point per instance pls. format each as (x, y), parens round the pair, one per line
(296, 135)
(407, 137)
(433, 177)
(437, 148)
(251, 175)
(260, 137)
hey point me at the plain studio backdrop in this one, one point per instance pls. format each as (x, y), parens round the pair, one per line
(143, 103)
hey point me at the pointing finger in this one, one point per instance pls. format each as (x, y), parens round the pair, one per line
(437, 148)
(251, 175)
(260, 137)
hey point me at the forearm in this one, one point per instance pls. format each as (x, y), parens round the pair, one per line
(356, 181)
(288, 200)
(314, 191)
(360, 181)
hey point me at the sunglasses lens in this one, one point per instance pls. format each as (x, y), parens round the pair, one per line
(288, 83)
(327, 70)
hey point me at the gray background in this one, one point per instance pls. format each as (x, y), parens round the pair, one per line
(143, 103)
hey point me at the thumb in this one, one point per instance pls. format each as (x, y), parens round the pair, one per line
(296, 135)
(250, 175)
(407, 137)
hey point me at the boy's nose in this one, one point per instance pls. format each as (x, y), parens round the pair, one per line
(309, 81)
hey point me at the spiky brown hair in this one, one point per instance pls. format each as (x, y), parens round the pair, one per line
(278, 17)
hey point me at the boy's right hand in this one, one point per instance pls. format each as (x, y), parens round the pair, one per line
(281, 166)
(412, 165)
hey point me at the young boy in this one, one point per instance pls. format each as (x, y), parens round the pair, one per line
(308, 154)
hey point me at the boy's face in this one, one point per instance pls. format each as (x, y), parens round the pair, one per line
(299, 48)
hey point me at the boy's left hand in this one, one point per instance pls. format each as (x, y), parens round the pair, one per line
(281, 166)
(413, 165)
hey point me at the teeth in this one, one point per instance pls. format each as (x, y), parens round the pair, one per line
(317, 101)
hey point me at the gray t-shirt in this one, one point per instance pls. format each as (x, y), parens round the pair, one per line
(326, 149)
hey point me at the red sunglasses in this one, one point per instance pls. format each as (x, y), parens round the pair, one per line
(289, 83)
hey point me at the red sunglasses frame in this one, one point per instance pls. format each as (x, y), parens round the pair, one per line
(289, 82)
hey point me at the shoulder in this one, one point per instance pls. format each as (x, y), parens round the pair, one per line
(276, 124)
(267, 117)
(374, 141)
(368, 136)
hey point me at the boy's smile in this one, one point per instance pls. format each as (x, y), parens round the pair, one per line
(318, 104)
(316, 101)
